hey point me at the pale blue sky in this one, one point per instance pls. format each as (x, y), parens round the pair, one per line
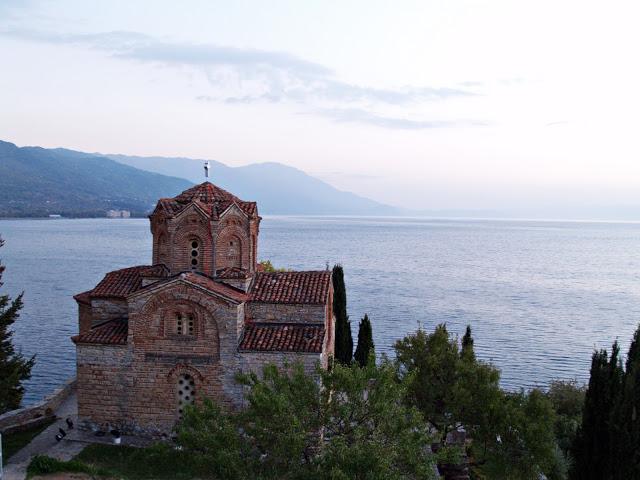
(425, 104)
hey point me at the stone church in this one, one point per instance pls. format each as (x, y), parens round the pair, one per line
(153, 338)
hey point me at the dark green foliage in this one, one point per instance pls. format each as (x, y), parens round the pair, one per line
(44, 465)
(211, 441)
(567, 398)
(467, 345)
(592, 450)
(14, 368)
(432, 365)
(365, 349)
(344, 340)
(450, 387)
(526, 446)
(157, 462)
(626, 419)
(347, 423)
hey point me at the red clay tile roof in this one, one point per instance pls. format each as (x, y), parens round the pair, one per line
(215, 287)
(206, 282)
(120, 283)
(211, 199)
(311, 287)
(280, 337)
(84, 297)
(113, 332)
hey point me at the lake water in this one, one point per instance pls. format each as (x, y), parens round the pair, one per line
(540, 296)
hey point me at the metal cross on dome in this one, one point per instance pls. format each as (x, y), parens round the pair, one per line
(206, 169)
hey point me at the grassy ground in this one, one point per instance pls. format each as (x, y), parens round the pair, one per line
(127, 463)
(13, 442)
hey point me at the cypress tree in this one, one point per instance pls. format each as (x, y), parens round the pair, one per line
(14, 368)
(467, 345)
(343, 340)
(625, 421)
(365, 342)
(593, 449)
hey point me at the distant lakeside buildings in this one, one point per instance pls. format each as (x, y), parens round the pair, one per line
(118, 214)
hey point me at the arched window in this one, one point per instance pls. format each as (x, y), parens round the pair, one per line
(194, 255)
(234, 252)
(185, 392)
(185, 324)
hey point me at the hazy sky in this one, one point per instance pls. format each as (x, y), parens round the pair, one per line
(426, 104)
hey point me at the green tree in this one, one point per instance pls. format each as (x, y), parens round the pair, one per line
(343, 339)
(14, 368)
(625, 428)
(467, 345)
(210, 439)
(282, 419)
(365, 349)
(370, 432)
(451, 387)
(567, 398)
(592, 450)
(430, 366)
(347, 423)
(525, 446)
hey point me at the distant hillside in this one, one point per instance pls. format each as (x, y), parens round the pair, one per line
(36, 182)
(277, 188)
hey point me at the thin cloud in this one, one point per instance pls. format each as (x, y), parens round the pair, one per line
(246, 76)
(368, 118)
(275, 76)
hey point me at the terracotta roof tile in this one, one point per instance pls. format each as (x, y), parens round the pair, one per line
(120, 283)
(212, 199)
(210, 284)
(84, 297)
(113, 332)
(204, 281)
(280, 337)
(311, 287)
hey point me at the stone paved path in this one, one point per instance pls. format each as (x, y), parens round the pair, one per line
(46, 444)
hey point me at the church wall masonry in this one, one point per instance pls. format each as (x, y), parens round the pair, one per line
(154, 338)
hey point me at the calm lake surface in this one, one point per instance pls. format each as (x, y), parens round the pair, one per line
(540, 296)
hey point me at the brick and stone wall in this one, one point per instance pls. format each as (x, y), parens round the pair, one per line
(104, 383)
(85, 320)
(105, 309)
(286, 313)
(141, 379)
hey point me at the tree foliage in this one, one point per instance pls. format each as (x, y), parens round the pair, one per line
(14, 368)
(513, 434)
(343, 338)
(592, 450)
(268, 267)
(365, 350)
(567, 398)
(347, 423)
(625, 441)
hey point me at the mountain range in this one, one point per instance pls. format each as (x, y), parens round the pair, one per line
(37, 182)
(278, 188)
